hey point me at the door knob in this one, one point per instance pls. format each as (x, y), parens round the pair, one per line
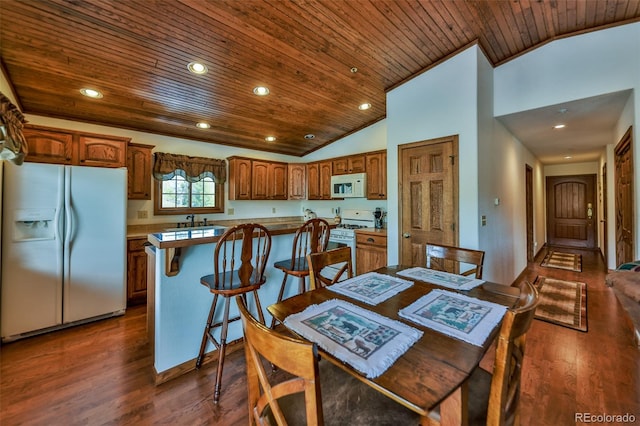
(406, 235)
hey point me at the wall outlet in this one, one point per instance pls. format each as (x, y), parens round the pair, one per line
(143, 214)
(230, 211)
(273, 210)
(483, 220)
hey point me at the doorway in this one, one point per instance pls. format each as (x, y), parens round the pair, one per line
(428, 173)
(625, 247)
(571, 211)
(528, 178)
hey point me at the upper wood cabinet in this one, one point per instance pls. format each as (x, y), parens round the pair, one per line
(269, 180)
(48, 145)
(139, 171)
(239, 178)
(350, 164)
(297, 181)
(377, 175)
(257, 179)
(319, 180)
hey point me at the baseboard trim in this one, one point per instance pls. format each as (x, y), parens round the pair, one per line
(190, 365)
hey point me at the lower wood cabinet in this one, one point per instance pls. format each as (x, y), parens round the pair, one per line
(136, 272)
(371, 250)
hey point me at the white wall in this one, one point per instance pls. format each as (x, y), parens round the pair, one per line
(574, 68)
(440, 102)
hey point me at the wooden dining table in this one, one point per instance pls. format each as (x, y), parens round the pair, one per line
(434, 371)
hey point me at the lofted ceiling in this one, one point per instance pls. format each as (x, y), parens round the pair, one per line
(320, 59)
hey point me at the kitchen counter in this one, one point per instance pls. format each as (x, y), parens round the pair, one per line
(371, 231)
(192, 236)
(178, 304)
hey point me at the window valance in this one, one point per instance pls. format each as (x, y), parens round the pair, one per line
(192, 169)
(13, 145)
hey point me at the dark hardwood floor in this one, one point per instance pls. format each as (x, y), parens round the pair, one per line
(100, 373)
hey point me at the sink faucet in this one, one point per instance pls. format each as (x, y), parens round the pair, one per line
(192, 217)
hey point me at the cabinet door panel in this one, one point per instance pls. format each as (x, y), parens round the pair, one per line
(260, 180)
(49, 146)
(93, 151)
(297, 182)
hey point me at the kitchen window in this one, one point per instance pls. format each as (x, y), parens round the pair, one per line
(188, 184)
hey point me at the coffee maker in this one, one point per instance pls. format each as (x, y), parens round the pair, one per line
(379, 218)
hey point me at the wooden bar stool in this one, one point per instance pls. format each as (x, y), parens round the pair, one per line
(311, 237)
(240, 258)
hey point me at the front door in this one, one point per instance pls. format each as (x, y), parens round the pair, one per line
(624, 200)
(428, 196)
(571, 211)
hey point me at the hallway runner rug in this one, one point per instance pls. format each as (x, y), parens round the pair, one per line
(562, 302)
(560, 260)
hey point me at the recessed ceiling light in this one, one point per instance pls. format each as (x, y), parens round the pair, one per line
(365, 106)
(197, 68)
(270, 139)
(203, 125)
(91, 93)
(559, 126)
(261, 91)
(567, 157)
(309, 136)
(354, 70)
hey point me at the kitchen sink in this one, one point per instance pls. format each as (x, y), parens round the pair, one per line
(196, 228)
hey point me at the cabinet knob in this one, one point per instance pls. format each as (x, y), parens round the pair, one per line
(370, 240)
(406, 235)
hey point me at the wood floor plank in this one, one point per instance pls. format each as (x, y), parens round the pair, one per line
(100, 373)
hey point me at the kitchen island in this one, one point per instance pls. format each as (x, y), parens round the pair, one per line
(178, 305)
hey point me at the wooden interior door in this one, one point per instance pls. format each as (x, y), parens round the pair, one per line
(624, 200)
(571, 211)
(428, 197)
(605, 239)
(528, 173)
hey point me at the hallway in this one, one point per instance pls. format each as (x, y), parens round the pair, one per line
(100, 373)
(568, 371)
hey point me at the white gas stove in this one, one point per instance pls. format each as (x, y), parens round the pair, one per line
(344, 234)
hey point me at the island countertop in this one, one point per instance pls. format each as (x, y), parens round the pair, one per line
(188, 237)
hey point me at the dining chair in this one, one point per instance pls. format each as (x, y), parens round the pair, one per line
(240, 258)
(450, 259)
(311, 237)
(296, 356)
(305, 389)
(329, 267)
(494, 396)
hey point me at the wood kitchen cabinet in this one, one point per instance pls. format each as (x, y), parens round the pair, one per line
(371, 250)
(297, 181)
(376, 175)
(239, 178)
(136, 272)
(139, 171)
(269, 180)
(350, 164)
(319, 180)
(257, 179)
(48, 145)
(57, 146)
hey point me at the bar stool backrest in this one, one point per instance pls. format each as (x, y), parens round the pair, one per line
(241, 255)
(311, 237)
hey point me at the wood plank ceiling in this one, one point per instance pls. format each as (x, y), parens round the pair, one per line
(136, 53)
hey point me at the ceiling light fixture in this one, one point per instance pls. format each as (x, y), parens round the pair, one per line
(559, 126)
(270, 139)
(309, 136)
(354, 70)
(203, 125)
(567, 157)
(364, 107)
(91, 93)
(197, 68)
(261, 91)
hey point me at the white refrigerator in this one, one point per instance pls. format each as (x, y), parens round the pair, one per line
(63, 246)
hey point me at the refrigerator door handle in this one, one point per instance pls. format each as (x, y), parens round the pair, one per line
(70, 227)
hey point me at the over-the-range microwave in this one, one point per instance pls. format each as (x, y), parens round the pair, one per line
(349, 186)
